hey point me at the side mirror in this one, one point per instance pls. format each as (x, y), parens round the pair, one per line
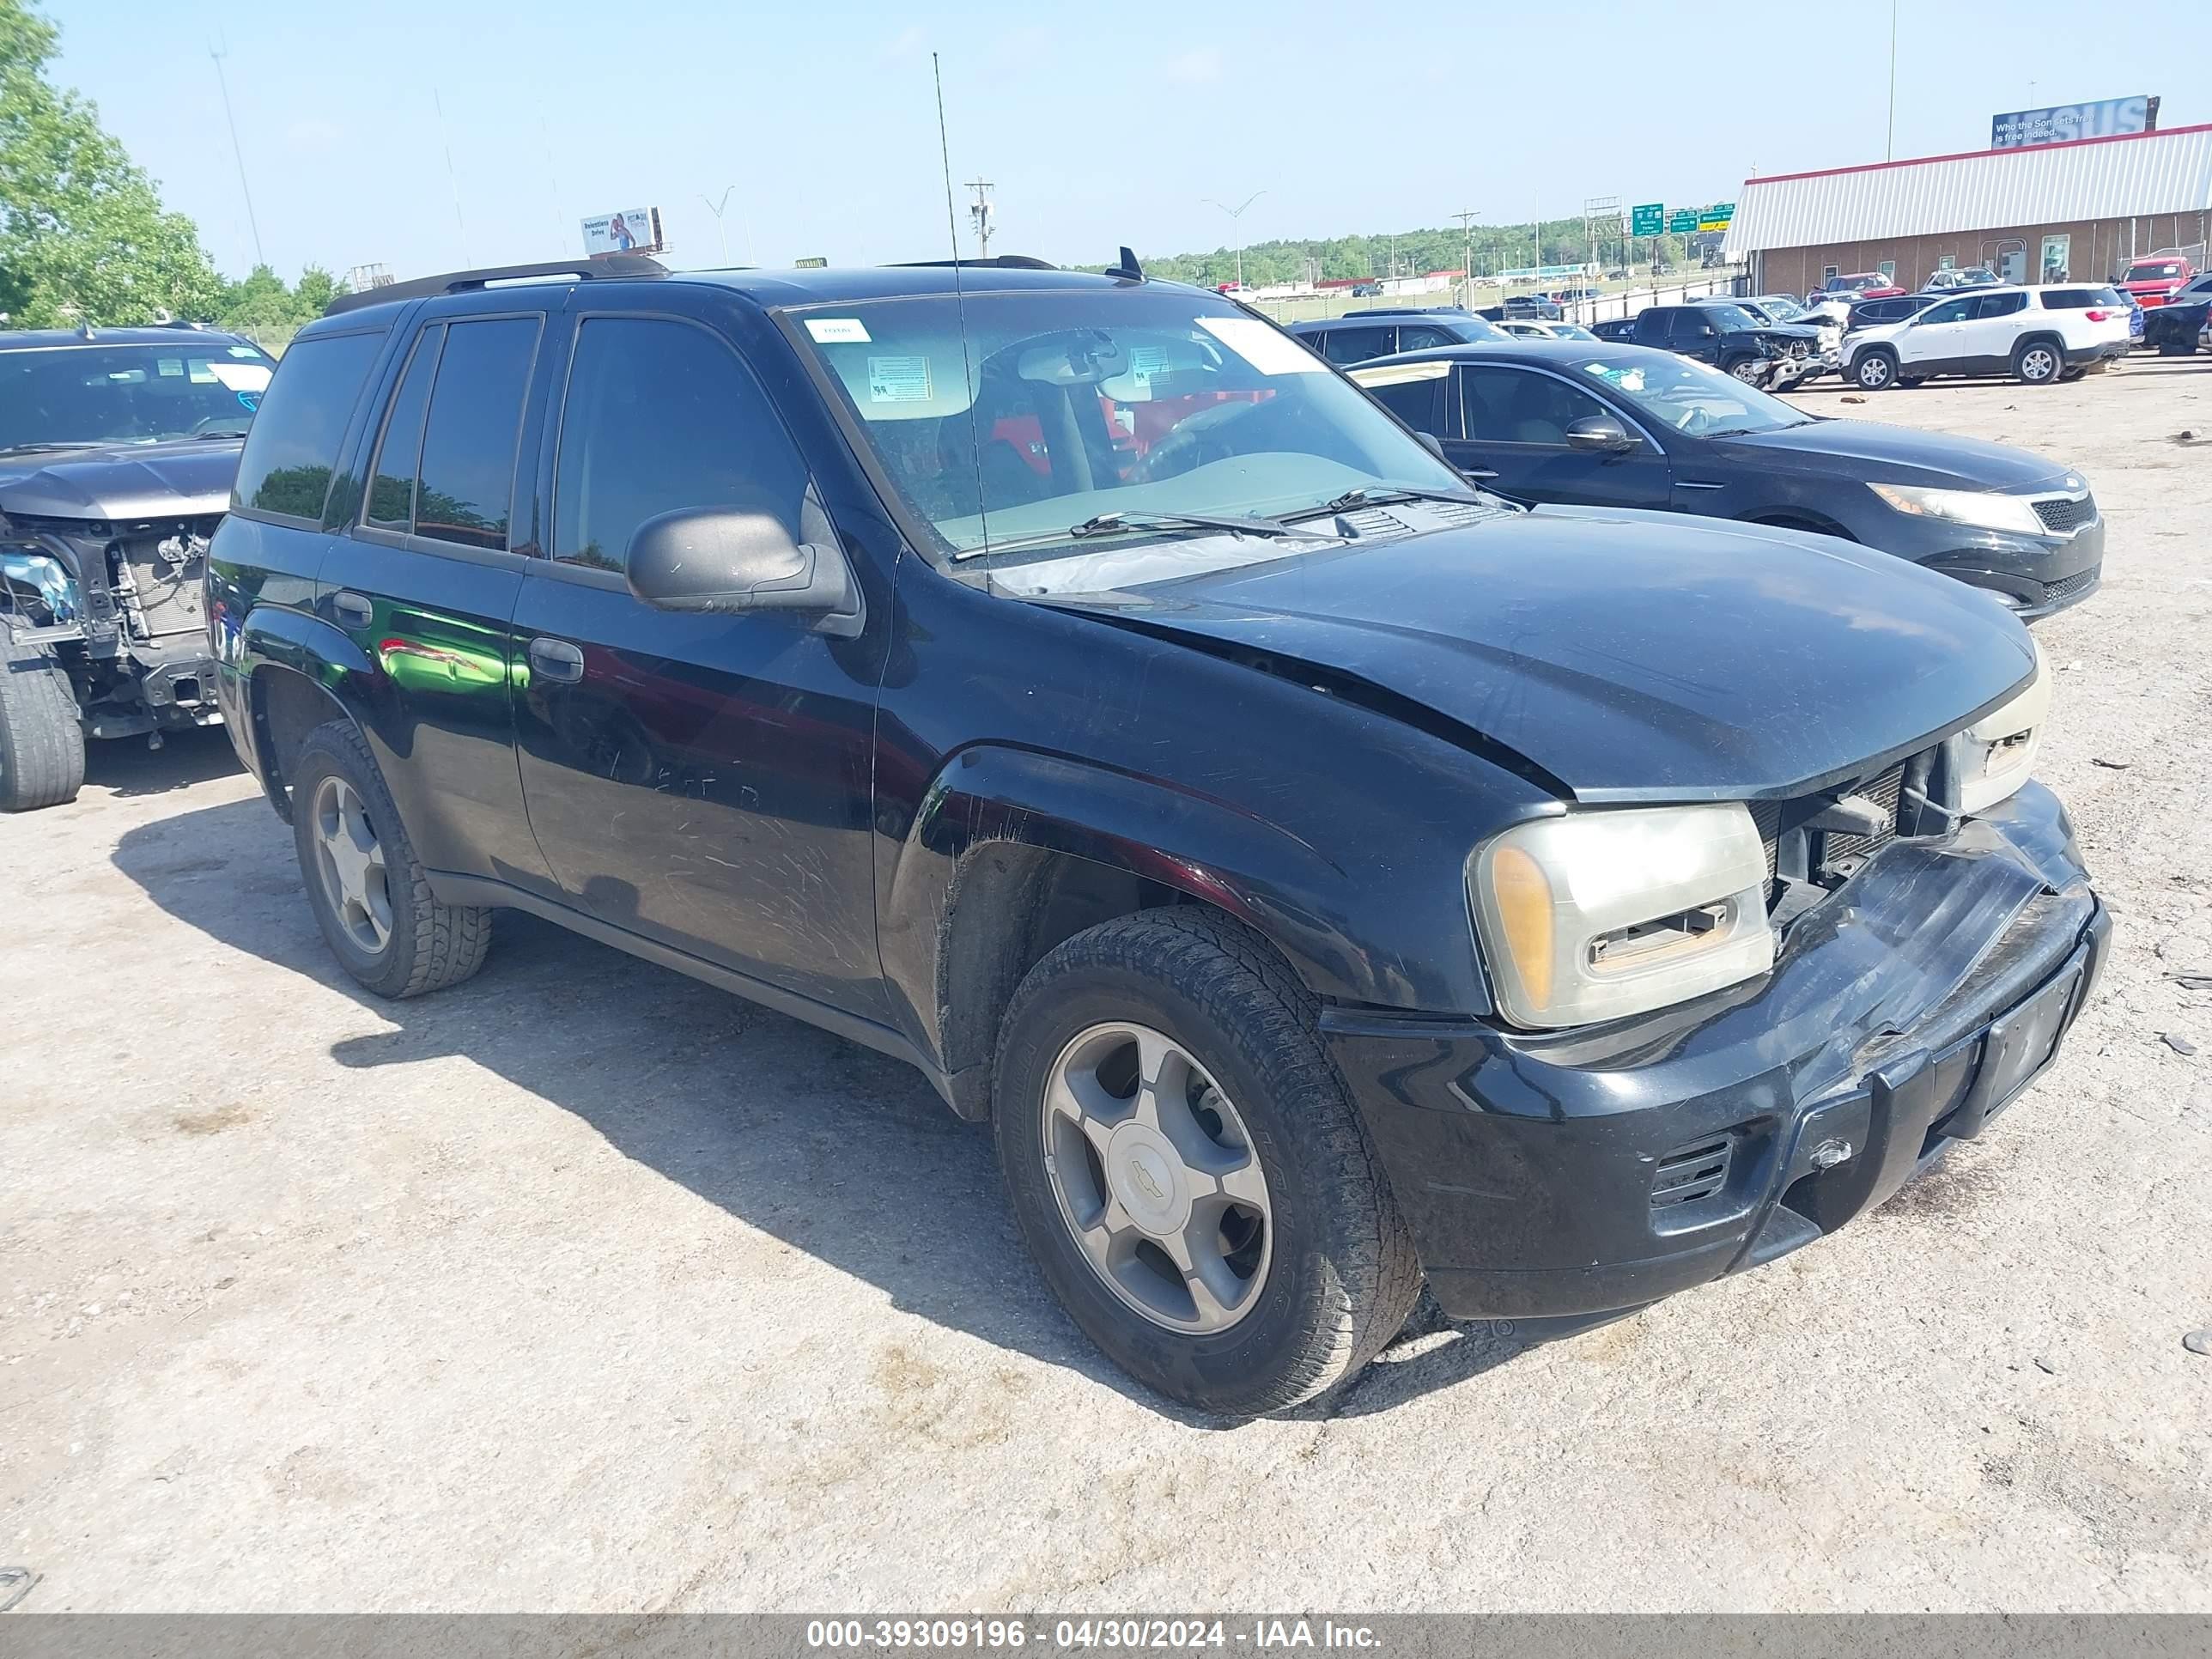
(736, 562)
(1431, 442)
(1600, 433)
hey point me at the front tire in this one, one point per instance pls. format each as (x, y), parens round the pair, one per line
(1873, 370)
(1187, 1170)
(2038, 362)
(41, 738)
(368, 889)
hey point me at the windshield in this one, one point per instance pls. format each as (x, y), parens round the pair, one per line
(1061, 407)
(1780, 308)
(1731, 318)
(1683, 395)
(2154, 271)
(95, 393)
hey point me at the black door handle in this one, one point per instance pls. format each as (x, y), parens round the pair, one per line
(351, 609)
(556, 660)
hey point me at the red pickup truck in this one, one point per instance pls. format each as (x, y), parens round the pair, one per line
(2157, 279)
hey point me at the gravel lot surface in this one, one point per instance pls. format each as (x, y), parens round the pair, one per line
(585, 1287)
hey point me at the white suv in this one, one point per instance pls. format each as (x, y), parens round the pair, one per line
(2037, 335)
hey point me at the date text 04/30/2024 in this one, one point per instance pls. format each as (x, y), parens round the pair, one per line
(1166, 1635)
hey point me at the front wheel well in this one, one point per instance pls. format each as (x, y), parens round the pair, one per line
(286, 705)
(1010, 905)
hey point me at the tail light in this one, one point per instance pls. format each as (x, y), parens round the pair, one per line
(2102, 316)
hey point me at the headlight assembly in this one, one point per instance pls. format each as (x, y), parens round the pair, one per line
(1997, 751)
(1977, 509)
(1595, 915)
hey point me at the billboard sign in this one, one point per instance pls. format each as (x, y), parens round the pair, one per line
(1682, 220)
(1716, 218)
(1647, 221)
(2023, 129)
(631, 230)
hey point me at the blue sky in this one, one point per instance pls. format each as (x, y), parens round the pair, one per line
(1100, 123)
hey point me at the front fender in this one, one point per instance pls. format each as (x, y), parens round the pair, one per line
(275, 638)
(1326, 920)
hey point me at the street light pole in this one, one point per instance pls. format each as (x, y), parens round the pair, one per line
(1237, 217)
(1889, 144)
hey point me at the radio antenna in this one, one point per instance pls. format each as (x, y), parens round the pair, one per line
(960, 311)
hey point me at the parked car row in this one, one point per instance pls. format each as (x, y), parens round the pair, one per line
(1324, 876)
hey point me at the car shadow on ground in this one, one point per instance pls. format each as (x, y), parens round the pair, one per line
(127, 766)
(828, 1146)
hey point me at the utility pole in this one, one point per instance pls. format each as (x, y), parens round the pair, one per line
(1236, 217)
(223, 80)
(979, 212)
(715, 208)
(1466, 217)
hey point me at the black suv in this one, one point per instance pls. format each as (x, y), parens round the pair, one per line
(117, 447)
(1770, 356)
(1321, 876)
(1382, 331)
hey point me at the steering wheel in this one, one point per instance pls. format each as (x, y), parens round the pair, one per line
(1191, 444)
(218, 422)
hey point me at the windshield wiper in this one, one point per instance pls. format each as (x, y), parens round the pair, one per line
(202, 437)
(1362, 495)
(1109, 524)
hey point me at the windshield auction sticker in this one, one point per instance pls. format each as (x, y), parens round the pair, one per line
(898, 380)
(1263, 347)
(837, 330)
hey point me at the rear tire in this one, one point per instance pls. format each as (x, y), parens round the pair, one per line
(2039, 361)
(1874, 369)
(372, 900)
(42, 737)
(1333, 1277)
(2177, 348)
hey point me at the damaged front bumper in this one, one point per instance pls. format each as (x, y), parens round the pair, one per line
(1560, 1180)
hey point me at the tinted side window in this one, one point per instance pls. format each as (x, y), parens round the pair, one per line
(1692, 324)
(661, 416)
(2001, 305)
(1951, 311)
(2068, 299)
(1652, 324)
(1518, 406)
(1413, 401)
(289, 456)
(399, 453)
(1355, 345)
(466, 486)
(1420, 336)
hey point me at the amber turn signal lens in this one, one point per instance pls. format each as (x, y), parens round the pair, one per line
(1523, 897)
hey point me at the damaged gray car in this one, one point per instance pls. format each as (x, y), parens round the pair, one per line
(117, 451)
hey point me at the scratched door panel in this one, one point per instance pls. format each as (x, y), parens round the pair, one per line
(705, 782)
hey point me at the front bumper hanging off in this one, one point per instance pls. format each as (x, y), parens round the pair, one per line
(1567, 1178)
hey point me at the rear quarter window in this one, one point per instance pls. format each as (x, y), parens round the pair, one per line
(2071, 299)
(292, 449)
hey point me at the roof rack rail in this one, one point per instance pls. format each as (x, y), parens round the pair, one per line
(996, 262)
(463, 282)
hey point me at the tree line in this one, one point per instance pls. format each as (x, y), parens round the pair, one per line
(83, 235)
(1412, 252)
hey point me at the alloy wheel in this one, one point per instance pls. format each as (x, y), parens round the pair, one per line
(1156, 1179)
(349, 859)
(1872, 372)
(2038, 363)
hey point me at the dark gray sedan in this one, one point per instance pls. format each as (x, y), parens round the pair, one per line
(1624, 426)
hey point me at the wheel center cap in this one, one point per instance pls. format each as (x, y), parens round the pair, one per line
(1147, 1174)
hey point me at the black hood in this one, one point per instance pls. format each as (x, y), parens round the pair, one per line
(189, 478)
(1877, 454)
(1631, 657)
